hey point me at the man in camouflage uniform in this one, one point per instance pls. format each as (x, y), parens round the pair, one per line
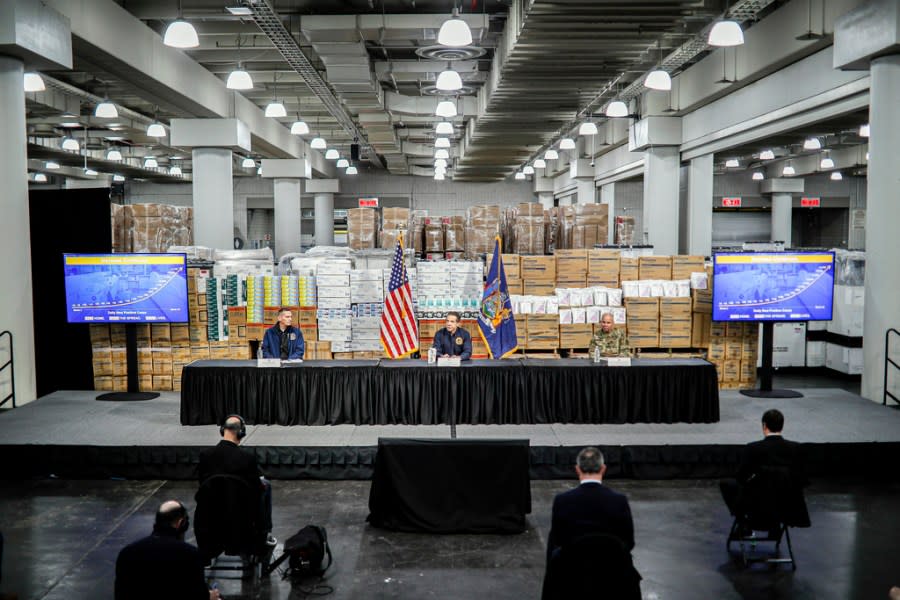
(610, 341)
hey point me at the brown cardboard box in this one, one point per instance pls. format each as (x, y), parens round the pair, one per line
(604, 264)
(103, 383)
(143, 335)
(454, 237)
(394, 217)
(310, 333)
(571, 282)
(701, 301)
(180, 334)
(256, 331)
(237, 316)
(655, 267)
(700, 330)
(538, 268)
(720, 368)
(145, 360)
(629, 269)
(575, 336)
(683, 266)
(716, 351)
(100, 336)
(162, 383)
(160, 335)
(343, 355)
(117, 335)
(750, 349)
(539, 288)
(716, 329)
(239, 351)
(162, 361)
(734, 330)
(181, 354)
(145, 383)
(732, 371)
(643, 340)
(675, 308)
(748, 371)
(571, 262)
(542, 332)
(674, 340)
(510, 265)
(515, 286)
(733, 349)
(305, 316)
(644, 308)
(120, 384)
(638, 325)
(102, 362)
(199, 352)
(434, 238)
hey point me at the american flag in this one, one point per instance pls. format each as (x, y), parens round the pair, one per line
(399, 332)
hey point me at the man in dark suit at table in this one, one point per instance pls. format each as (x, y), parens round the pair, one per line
(589, 509)
(283, 340)
(453, 340)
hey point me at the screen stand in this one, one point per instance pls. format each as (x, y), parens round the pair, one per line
(133, 394)
(765, 373)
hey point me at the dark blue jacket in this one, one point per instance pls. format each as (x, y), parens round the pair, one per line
(271, 344)
(447, 344)
(160, 566)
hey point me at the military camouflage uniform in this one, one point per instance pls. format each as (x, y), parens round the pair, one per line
(614, 343)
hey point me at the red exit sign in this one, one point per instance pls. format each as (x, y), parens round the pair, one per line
(731, 202)
(368, 202)
(810, 202)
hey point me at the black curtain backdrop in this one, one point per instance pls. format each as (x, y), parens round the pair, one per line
(63, 221)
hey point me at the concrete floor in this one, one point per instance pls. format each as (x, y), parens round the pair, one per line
(62, 538)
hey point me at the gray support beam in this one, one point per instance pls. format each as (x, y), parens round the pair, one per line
(287, 216)
(608, 197)
(324, 213)
(782, 207)
(700, 205)
(661, 173)
(213, 198)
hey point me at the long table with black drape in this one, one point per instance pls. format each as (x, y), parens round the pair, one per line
(412, 392)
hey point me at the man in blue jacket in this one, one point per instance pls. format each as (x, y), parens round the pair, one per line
(283, 340)
(453, 340)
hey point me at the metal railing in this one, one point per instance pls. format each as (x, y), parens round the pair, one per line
(12, 372)
(889, 361)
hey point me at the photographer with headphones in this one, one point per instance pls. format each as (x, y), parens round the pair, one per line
(163, 565)
(226, 458)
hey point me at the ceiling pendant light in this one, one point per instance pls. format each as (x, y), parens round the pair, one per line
(766, 155)
(351, 170)
(299, 127)
(444, 128)
(836, 176)
(440, 170)
(726, 33)
(332, 154)
(119, 178)
(812, 143)
(91, 172)
(551, 154)
(239, 79)
(446, 109)
(617, 109)
(180, 33)
(34, 82)
(454, 32)
(150, 163)
(342, 163)
(259, 170)
(174, 170)
(520, 175)
(442, 153)
(658, 80)
(113, 154)
(248, 163)
(867, 155)
(156, 130)
(442, 142)
(449, 81)
(788, 169)
(440, 162)
(70, 144)
(587, 128)
(51, 165)
(540, 163)
(106, 110)
(826, 162)
(567, 144)
(528, 170)
(40, 178)
(318, 143)
(864, 130)
(439, 177)
(758, 176)
(275, 109)
(732, 163)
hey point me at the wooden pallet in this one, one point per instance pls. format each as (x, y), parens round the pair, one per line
(538, 352)
(670, 352)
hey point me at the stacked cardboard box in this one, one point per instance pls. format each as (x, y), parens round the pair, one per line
(417, 230)
(482, 226)
(675, 322)
(571, 268)
(361, 228)
(591, 225)
(684, 266)
(366, 286)
(538, 275)
(642, 318)
(528, 230)
(575, 336)
(629, 269)
(625, 231)
(734, 348)
(454, 234)
(433, 244)
(512, 268)
(317, 351)
(154, 227)
(333, 284)
(655, 267)
(541, 332)
(603, 268)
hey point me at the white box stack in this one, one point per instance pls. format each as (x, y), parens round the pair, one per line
(366, 286)
(788, 345)
(815, 354)
(366, 334)
(467, 283)
(333, 285)
(843, 359)
(849, 309)
(411, 275)
(336, 326)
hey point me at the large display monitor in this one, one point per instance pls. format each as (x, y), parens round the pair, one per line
(773, 286)
(126, 288)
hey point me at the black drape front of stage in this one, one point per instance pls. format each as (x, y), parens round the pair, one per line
(479, 392)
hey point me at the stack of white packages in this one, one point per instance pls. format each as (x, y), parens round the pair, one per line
(366, 286)
(657, 288)
(587, 305)
(366, 334)
(333, 284)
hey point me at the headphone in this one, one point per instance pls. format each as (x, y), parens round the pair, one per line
(185, 522)
(240, 430)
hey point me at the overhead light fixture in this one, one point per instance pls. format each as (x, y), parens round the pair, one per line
(90, 172)
(40, 178)
(239, 11)
(551, 154)
(113, 154)
(70, 144)
(150, 163)
(812, 143)
(444, 128)
(758, 176)
(259, 170)
(181, 34)
(318, 143)
(766, 155)
(446, 109)
(587, 128)
(867, 155)
(299, 127)
(732, 163)
(70, 124)
(248, 163)
(826, 162)
(342, 163)
(520, 175)
(454, 32)
(617, 109)
(864, 130)
(239, 79)
(540, 163)
(449, 81)
(726, 33)
(51, 165)
(118, 178)
(788, 170)
(351, 170)
(442, 142)
(442, 153)
(106, 110)
(156, 130)
(658, 80)
(567, 144)
(174, 170)
(440, 162)
(34, 82)
(439, 177)
(836, 176)
(528, 170)
(440, 170)
(332, 154)
(275, 110)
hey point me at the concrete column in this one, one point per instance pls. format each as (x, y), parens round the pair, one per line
(324, 213)
(213, 198)
(782, 205)
(287, 216)
(661, 174)
(586, 191)
(546, 200)
(700, 205)
(608, 197)
(16, 313)
(882, 216)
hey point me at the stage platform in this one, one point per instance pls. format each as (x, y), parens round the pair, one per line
(70, 434)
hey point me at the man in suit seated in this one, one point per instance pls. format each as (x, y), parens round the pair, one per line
(770, 455)
(592, 508)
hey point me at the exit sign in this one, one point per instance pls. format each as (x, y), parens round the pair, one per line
(731, 202)
(810, 202)
(368, 202)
